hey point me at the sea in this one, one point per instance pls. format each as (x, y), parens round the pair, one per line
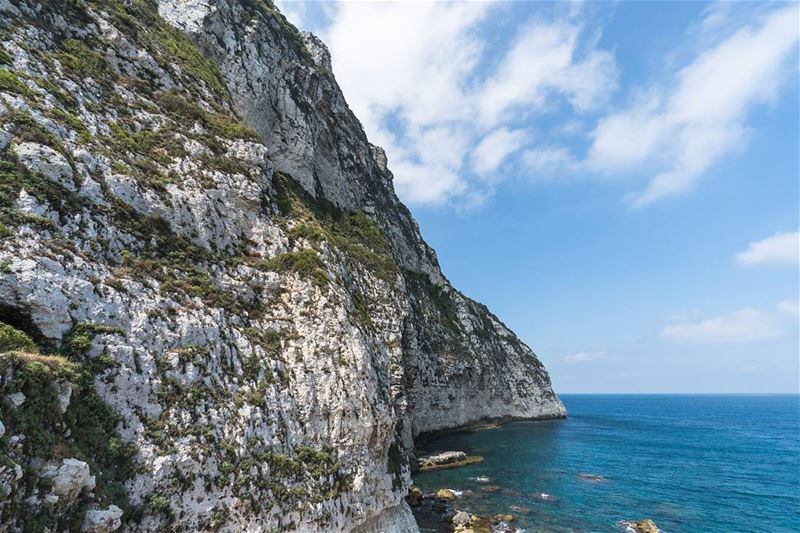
(691, 463)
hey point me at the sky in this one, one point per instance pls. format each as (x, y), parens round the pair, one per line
(618, 181)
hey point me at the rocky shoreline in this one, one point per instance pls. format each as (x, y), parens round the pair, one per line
(441, 460)
(456, 517)
(452, 509)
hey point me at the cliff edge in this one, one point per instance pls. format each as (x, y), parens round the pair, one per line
(216, 314)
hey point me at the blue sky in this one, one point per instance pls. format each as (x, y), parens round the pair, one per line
(618, 182)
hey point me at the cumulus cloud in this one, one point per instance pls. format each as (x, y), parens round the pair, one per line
(494, 148)
(789, 307)
(781, 248)
(550, 160)
(413, 68)
(543, 61)
(744, 325)
(685, 126)
(584, 357)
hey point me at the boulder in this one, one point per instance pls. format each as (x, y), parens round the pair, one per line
(10, 474)
(102, 520)
(414, 496)
(64, 396)
(16, 399)
(70, 479)
(461, 518)
(445, 494)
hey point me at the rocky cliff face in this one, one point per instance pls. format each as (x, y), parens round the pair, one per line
(216, 314)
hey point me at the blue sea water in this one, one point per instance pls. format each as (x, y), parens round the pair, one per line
(692, 463)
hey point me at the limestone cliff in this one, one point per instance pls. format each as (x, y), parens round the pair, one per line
(216, 313)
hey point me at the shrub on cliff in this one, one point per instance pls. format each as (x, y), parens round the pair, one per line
(12, 339)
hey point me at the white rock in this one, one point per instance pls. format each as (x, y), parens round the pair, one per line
(17, 399)
(102, 520)
(64, 395)
(461, 518)
(40, 158)
(71, 478)
(5, 138)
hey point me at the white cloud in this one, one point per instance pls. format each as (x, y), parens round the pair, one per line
(546, 161)
(789, 307)
(740, 326)
(685, 127)
(584, 357)
(413, 70)
(543, 61)
(781, 248)
(494, 148)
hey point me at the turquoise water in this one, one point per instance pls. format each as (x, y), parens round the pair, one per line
(692, 463)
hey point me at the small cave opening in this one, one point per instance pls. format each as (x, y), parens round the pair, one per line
(13, 316)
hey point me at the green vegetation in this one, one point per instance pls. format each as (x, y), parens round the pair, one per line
(352, 232)
(305, 262)
(78, 340)
(14, 176)
(5, 58)
(268, 11)
(288, 478)
(90, 422)
(9, 82)
(255, 396)
(67, 100)
(159, 504)
(439, 298)
(138, 19)
(14, 340)
(26, 129)
(169, 44)
(80, 60)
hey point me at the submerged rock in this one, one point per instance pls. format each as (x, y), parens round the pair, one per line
(590, 477)
(640, 526)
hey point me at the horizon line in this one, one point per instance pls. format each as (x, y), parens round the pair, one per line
(790, 393)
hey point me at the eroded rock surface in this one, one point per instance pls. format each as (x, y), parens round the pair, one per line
(195, 228)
